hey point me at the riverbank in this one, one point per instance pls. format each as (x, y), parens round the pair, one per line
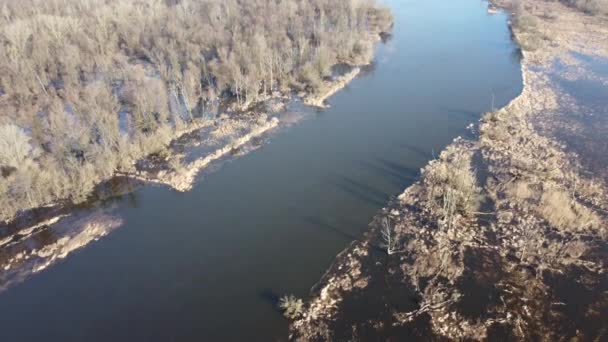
(225, 137)
(504, 236)
(242, 236)
(189, 151)
(195, 147)
(33, 251)
(140, 89)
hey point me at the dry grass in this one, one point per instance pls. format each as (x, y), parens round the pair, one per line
(558, 208)
(521, 191)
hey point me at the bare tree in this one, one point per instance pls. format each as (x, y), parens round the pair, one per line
(389, 238)
(69, 69)
(15, 146)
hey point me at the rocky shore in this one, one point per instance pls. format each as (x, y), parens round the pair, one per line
(505, 236)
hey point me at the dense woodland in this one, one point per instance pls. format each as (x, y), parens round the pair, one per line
(89, 86)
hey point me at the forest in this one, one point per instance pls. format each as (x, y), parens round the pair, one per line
(88, 87)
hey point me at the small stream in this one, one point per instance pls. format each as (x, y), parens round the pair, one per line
(209, 264)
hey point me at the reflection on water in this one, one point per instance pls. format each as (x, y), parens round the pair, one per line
(208, 265)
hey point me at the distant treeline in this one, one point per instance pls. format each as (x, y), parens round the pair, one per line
(89, 86)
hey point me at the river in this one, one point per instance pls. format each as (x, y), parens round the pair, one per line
(208, 265)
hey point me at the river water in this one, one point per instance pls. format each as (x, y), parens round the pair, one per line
(208, 265)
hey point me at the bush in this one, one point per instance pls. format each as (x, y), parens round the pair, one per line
(292, 307)
(453, 186)
(525, 22)
(526, 25)
(310, 77)
(529, 42)
(15, 146)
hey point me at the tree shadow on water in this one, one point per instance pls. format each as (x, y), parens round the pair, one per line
(399, 175)
(362, 191)
(272, 298)
(319, 223)
(404, 172)
(462, 112)
(269, 296)
(424, 154)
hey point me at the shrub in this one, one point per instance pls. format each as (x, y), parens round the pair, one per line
(529, 42)
(310, 76)
(292, 307)
(525, 22)
(453, 186)
(15, 146)
(457, 181)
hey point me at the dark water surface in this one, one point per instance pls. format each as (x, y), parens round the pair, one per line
(207, 265)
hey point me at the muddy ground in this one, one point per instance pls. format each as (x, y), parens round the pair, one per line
(505, 236)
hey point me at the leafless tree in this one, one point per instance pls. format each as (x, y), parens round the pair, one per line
(389, 238)
(68, 67)
(15, 146)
